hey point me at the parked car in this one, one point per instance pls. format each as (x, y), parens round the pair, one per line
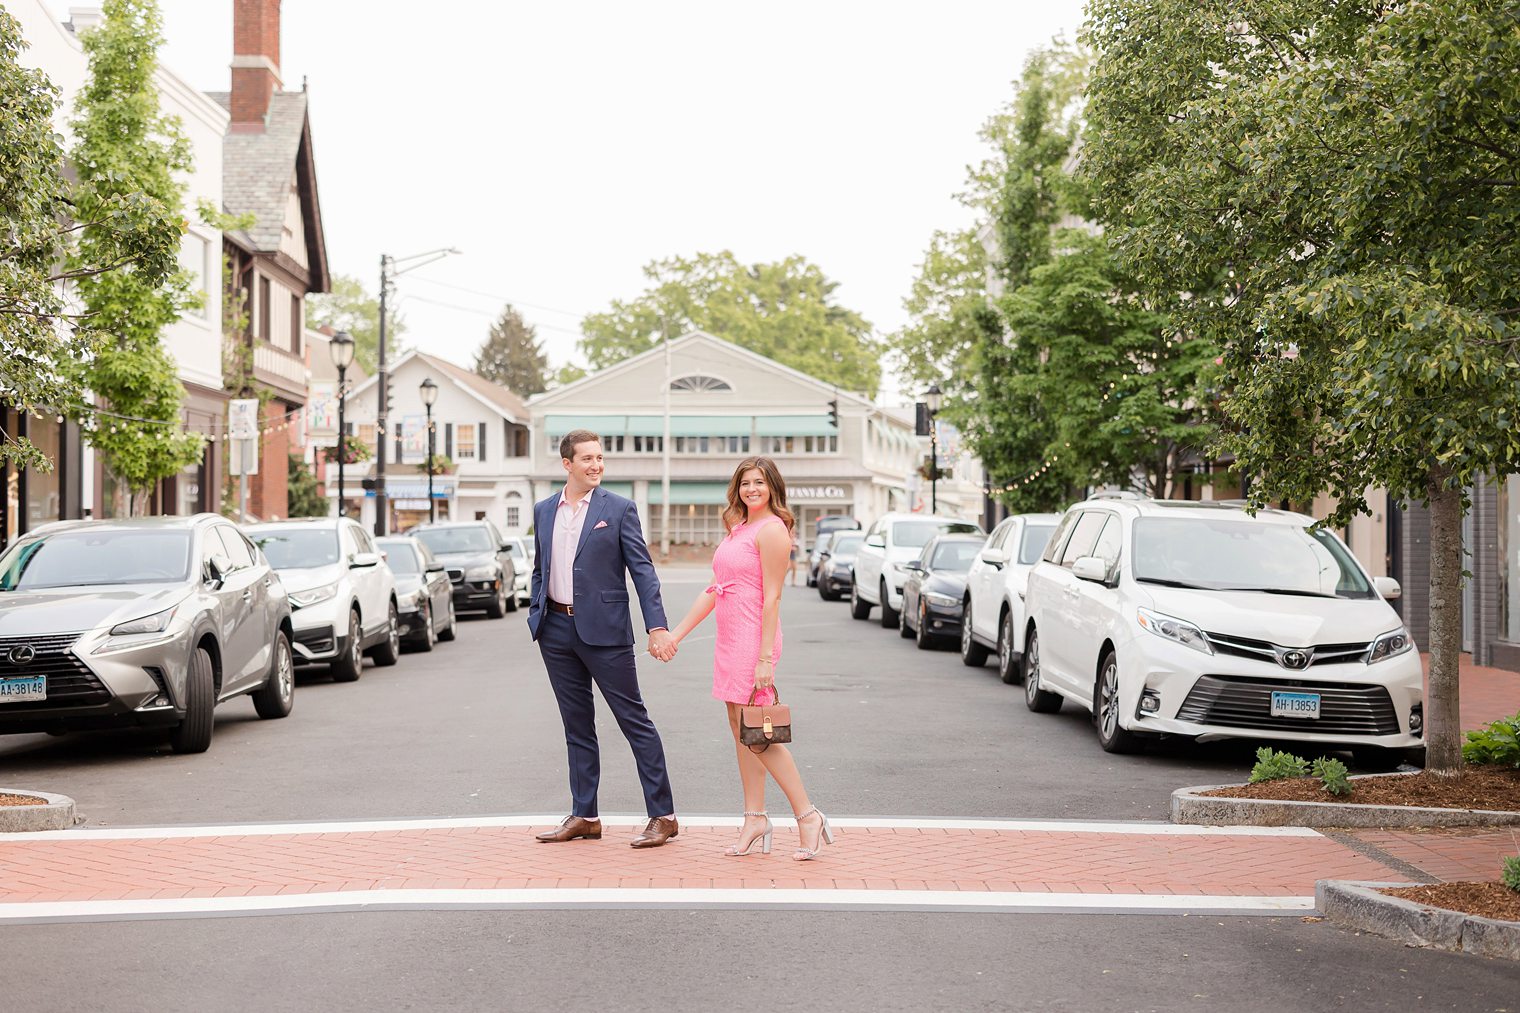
(823, 527)
(521, 550)
(479, 562)
(144, 622)
(934, 595)
(995, 590)
(424, 596)
(342, 595)
(891, 541)
(1199, 619)
(836, 566)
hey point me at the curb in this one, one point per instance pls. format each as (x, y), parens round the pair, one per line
(1359, 905)
(1190, 805)
(56, 814)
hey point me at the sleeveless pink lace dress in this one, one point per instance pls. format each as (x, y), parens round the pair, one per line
(739, 586)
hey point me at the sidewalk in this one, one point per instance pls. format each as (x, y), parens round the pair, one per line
(946, 864)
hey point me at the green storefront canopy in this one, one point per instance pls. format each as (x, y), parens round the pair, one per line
(604, 425)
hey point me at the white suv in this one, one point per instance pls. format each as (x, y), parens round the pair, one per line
(892, 541)
(1202, 620)
(994, 605)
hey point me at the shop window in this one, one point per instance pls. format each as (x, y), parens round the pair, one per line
(514, 516)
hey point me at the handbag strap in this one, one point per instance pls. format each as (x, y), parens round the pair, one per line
(775, 693)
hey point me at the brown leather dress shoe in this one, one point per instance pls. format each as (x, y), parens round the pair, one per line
(571, 828)
(659, 830)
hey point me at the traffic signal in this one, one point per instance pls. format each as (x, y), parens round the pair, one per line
(834, 413)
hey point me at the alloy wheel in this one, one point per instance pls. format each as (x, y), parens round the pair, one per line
(394, 634)
(1032, 670)
(285, 674)
(966, 629)
(355, 648)
(1005, 645)
(1108, 699)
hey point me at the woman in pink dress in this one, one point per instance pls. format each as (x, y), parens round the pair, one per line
(748, 569)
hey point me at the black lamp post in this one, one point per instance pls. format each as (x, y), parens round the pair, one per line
(429, 391)
(933, 398)
(341, 347)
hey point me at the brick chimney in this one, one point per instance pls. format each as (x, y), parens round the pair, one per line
(255, 61)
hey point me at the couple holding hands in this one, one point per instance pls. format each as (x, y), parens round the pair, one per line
(587, 540)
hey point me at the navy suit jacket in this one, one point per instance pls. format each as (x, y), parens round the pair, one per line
(612, 544)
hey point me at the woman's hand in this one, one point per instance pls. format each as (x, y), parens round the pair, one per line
(765, 675)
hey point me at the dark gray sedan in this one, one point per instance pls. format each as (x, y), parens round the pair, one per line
(144, 622)
(424, 595)
(934, 594)
(836, 565)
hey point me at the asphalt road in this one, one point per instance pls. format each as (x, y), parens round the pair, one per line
(883, 729)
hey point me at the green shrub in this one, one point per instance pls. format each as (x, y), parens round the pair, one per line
(1272, 766)
(1333, 773)
(1509, 874)
(1499, 743)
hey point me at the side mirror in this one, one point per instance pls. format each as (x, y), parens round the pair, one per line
(877, 541)
(360, 560)
(994, 557)
(913, 566)
(1090, 568)
(217, 569)
(436, 567)
(1388, 588)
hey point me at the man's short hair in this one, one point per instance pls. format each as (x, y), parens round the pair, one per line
(573, 438)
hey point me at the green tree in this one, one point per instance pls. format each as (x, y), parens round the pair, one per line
(513, 356)
(949, 315)
(126, 146)
(783, 310)
(53, 233)
(349, 307)
(305, 498)
(568, 373)
(1334, 187)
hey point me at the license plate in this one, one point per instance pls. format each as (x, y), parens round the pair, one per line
(22, 688)
(1295, 705)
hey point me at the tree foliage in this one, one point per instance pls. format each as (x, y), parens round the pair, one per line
(127, 147)
(304, 495)
(783, 310)
(349, 307)
(1334, 187)
(56, 233)
(513, 356)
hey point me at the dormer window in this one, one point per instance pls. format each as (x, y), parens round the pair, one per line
(699, 384)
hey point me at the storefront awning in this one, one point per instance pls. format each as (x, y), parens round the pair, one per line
(605, 425)
(794, 425)
(689, 493)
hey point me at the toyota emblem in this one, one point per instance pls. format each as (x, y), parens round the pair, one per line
(23, 654)
(1294, 659)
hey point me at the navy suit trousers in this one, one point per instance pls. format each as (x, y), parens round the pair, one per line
(573, 666)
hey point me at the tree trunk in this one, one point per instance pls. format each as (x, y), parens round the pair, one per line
(1443, 726)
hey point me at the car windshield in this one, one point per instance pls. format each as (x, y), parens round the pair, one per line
(400, 557)
(916, 534)
(1033, 542)
(297, 548)
(442, 540)
(1243, 555)
(844, 544)
(956, 557)
(90, 558)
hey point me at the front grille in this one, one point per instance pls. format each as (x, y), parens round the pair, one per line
(1260, 650)
(69, 681)
(1238, 702)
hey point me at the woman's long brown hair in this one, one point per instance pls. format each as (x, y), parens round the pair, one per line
(735, 513)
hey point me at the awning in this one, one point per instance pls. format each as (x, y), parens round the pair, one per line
(646, 425)
(604, 425)
(794, 425)
(690, 493)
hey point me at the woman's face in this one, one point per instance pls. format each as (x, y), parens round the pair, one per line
(753, 492)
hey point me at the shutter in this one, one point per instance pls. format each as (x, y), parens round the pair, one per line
(480, 450)
(448, 440)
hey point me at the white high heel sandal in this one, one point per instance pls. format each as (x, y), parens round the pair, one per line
(764, 837)
(827, 836)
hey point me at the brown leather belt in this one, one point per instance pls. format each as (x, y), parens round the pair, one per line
(555, 606)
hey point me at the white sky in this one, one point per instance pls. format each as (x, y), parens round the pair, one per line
(561, 146)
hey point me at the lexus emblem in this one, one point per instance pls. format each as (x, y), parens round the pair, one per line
(23, 654)
(1294, 659)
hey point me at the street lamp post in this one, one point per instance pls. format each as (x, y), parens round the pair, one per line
(933, 398)
(341, 348)
(429, 391)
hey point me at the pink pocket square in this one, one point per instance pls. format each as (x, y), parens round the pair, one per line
(599, 524)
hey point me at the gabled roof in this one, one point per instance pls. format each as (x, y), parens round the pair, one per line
(257, 170)
(492, 395)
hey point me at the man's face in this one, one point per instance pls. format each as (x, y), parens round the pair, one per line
(584, 469)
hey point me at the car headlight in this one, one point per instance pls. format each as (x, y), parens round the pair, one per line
(1175, 630)
(487, 572)
(312, 595)
(156, 623)
(1389, 645)
(942, 600)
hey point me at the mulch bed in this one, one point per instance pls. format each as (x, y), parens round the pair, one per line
(1487, 900)
(1480, 787)
(21, 800)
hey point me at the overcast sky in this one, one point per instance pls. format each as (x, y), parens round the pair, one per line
(561, 146)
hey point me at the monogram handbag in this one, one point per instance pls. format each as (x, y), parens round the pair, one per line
(762, 724)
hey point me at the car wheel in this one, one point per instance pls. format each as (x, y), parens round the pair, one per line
(1111, 734)
(389, 651)
(973, 654)
(859, 608)
(447, 633)
(275, 697)
(429, 635)
(1008, 662)
(350, 666)
(193, 734)
(511, 598)
(823, 588)
(1036, 699)
(498, 606)
(889, 616)
(924, 640)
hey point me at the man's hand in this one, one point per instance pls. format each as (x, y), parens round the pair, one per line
(662, 645)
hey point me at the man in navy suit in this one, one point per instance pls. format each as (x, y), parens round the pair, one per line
(587, 539)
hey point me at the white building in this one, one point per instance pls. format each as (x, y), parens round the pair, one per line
(726, 403)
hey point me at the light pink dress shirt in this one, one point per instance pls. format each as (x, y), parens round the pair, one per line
(569, 518)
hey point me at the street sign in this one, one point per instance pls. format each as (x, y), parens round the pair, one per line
(921, 419)
(243, 418)
(242, 457)
(413, 439)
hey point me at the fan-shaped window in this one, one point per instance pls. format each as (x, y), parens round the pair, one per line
(698, 384)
